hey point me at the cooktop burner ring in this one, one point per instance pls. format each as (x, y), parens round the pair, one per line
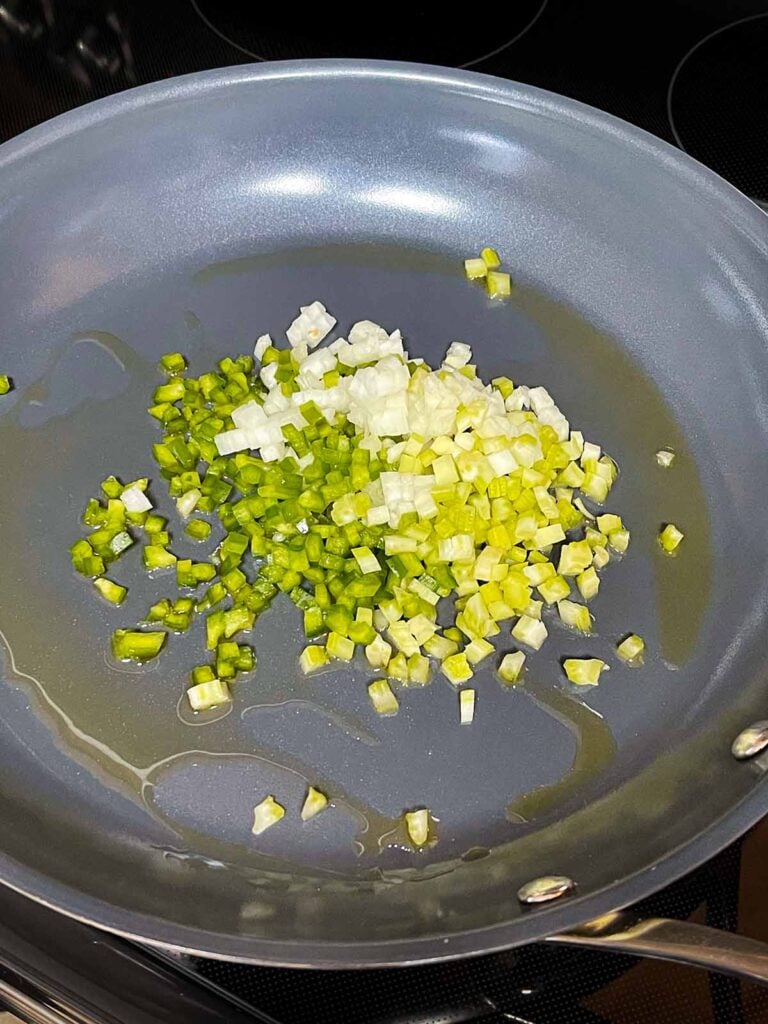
(428, 55)
(713, 103)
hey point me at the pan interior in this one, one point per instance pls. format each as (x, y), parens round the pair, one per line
(215, 230)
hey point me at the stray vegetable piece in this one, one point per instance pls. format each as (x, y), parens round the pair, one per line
(631, 649)
(173, 363)
(133, 645)
(312, 658)
(584, 671)
(383, 699)
(210, 694)
(110, 591)
(499, 284)
(575, 615)
(665, 457)
(417, 826)
(466, 706)
(266, 814)
(511, 667)
(529, 631)
(135, 500)
(393, 487)
(456, 669)
(6, 384)
(475, 268)
(314, 802)
(491, 258)
(670, 538)
(198, 529)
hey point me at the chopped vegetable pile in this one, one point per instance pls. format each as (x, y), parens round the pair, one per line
(409, 513)
(367, 487)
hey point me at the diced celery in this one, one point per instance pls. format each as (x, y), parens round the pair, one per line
(209, 694)
(466, 706)
(670, 538)
(173, 363)
(530, 631)
(665, 457)
(584, 671)
(378, 652)
(133, 645)
(499, 284)
(631, 649)
(397, 668)
(198, 529)
(417, 827)
(314, 803)
(575, 615)
(554, 589)
(383, 699)
(456, 669)
(574, 558)
(588, 583)
(490, 258)
(110, 591)
(6, 384)
(266, 814)
(157, 557)
(339, 647)
(511, 666)
(477, 650)
(475, 268)
(313, 658)
(418, 670)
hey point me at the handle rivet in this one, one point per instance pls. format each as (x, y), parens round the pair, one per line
(546, 888)
(750, 741)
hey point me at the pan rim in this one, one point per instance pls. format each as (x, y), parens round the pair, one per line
(746, 218)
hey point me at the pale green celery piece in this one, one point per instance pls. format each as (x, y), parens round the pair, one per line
(134, 645)
(266, 814)
(456, 669)
(475, 268)
(314, 802)
(511, 666)
(110, 591)
(313, 658)
(490, 258)
(499, 284)
(588, 583)
(670, 538)
(466, 706)
(631, 649)
(477, 650)
(378, 652)
(417, 826)
(575, 615)
(383, 699)
(340, 647)
(584, 671)
(206, 695)
(529, 631)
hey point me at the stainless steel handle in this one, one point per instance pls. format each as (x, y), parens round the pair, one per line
(666, 939)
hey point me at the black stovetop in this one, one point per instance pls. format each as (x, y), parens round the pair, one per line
(690, 72)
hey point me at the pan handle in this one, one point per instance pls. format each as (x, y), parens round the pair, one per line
(666, 939)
